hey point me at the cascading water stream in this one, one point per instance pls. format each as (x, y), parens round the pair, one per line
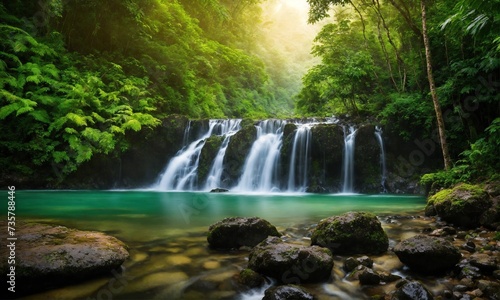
(259, 171)
(185, 139)
(299, 160)
(378, 134)
(215, 173)
(181, 172)
(348, 167)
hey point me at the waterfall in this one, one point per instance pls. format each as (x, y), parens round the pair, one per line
(259, 171)
(215, 173)
(185, 139)
(299, 160)
(378, 134)
(181, 172)
(348, 167)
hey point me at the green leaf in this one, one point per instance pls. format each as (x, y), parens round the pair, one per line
(116, 129)
(6, 110)
(70, 130)
(57, 124)
(78, 120)
(24, 110)
(60, 156)
(132, 124)
(98, 117)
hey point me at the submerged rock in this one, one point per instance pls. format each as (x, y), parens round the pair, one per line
(219, 190)
(287, 292)
(237, 232)
(51, 256)
(290, 263)
(351, 263)
(351, 233)
(427, 254)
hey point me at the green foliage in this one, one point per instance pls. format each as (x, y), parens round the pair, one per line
(73, 84)
(52, 110)
(373, 64)
(479, 163)
(408, 114)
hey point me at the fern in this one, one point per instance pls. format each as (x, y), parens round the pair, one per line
(41, 116)
(6, 110)
(24, 110)
(78, 120)
(57, 124)
(132, 124)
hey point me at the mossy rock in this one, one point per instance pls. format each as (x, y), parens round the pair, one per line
(207, 156)
(367, 164)
(463, 205)
(236, 232)
(327, 146)
(351, 233)
(236, 154)
(251, 279)
(53, 256)
(287, 147)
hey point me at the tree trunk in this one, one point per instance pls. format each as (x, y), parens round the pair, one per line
(437, 107)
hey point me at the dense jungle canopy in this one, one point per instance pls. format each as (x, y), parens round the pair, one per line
(76, 77)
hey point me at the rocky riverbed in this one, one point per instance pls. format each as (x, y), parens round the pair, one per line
(185, 267)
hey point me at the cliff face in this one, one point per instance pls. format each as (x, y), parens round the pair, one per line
(151, 150)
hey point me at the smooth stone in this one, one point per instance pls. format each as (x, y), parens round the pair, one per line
(178, 260)
(155, 280)
(210, 265)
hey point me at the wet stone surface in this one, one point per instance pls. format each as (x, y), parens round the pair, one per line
(183, 266)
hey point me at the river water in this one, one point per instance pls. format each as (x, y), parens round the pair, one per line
(166, 235)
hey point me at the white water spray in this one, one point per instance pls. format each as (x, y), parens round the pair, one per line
(348, 167)
(182, 170)
(215, 173)
(378, 134)
(299, 160)
(260, 167)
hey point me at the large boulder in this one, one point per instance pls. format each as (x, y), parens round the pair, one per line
(287, 292)
(51, 256)
(237, 232)
(291, 263)
(463, 205)
(351, 233)
(427, 254)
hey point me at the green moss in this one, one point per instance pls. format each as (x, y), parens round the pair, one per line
(439, 197)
